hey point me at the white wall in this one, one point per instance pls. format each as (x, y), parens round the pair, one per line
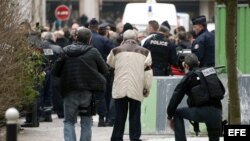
(33, 11)
(207, 9)
(89, 8)
(25, 9)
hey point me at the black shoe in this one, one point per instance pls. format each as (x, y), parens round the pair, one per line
(110, 124)
(45, 119)
(60, 115)
(30, 125)
(101, 122)
(27, 125)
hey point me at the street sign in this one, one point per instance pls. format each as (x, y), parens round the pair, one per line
(62, 12)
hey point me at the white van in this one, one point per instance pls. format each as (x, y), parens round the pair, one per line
(184, 20)
(138, 14)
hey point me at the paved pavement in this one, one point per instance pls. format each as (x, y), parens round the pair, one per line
(53, 131)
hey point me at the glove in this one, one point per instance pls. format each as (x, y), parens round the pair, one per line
(145, 92)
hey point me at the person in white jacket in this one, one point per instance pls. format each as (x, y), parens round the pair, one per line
(132, 82)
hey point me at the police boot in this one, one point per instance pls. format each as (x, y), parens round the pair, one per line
(101, 122)
(47, 116)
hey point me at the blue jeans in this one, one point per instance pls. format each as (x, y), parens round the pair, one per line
(209, 115)
(71, 105)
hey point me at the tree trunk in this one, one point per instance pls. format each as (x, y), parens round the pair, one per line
(231, 55)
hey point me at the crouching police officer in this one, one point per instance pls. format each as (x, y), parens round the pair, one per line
(208, 110)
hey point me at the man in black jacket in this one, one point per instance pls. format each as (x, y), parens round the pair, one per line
(82, 71)
(209, 111)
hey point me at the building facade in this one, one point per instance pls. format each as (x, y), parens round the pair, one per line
(113, 9)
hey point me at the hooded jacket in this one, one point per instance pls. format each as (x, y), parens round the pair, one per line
(81, 68)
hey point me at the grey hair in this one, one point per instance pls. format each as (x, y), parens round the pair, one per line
(59, 34)
(129, 34)
(47, 36)
(83, 35)
(191, 60)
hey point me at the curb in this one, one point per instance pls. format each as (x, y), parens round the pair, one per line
(2, 133)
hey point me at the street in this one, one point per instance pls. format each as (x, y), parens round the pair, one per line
(53, 131)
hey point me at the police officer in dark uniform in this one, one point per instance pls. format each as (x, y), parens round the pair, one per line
(51, 52)
(209, 111)
(204, 45)
(163, 52)
(104, 46)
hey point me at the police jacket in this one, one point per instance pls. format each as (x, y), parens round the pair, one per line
(51, 52)
(62, 42)
(184, 87)
(103, 44)
(204, 48)
(163, 52)
(81, 68)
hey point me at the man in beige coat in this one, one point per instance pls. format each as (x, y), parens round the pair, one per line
(132, 82)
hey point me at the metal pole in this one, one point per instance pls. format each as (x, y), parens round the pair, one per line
(35, 120)
(11, 116)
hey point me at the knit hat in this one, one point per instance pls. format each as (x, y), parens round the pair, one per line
(165, 23)
(127, 26)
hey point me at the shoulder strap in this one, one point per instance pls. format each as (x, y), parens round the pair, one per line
(203, 82)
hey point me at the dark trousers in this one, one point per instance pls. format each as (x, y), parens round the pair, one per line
(109, 84)
(111, 112)
(122, 105)
(57, 98)
(45, 101)
(101, 104)
(46, 97)
(209, 115)
(109, 100)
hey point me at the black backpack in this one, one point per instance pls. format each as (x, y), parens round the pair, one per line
(210, 87)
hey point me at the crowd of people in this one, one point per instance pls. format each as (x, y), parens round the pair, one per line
(107, 70)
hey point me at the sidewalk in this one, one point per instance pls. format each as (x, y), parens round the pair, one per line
(53, 131)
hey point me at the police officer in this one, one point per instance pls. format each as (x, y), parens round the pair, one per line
(162, 50)
(51, 52)
(209, 112)
(104, 46)
(204, 45)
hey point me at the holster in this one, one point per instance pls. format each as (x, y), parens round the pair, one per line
(196, 127)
